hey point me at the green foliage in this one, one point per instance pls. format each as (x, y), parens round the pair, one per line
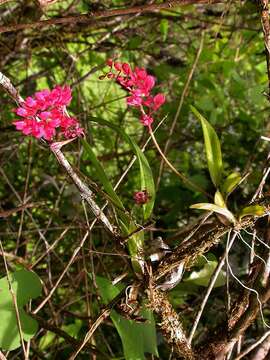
(212, 149)
(252, 210)
(164, 28)
(217, 209)
(146, 176)
(26, 285)
(218, 199)
(227, 88)
(137, 338)
(102, 176)
(71, 329)
(203, 276)
(230, 183)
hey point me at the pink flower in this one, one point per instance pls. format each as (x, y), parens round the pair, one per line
(44, 115)
(149, 83)
(140, 73)
(141, 197)
(61, 96)
(126, 69)
(21, 112)
(73, 132)
(146, 120)
(158, 101)
(118, 66)
(139, 84)
(134, 100)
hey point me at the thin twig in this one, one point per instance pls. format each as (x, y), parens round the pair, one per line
(10, 89)
(180, 105)
(253, 346)
(103, 316)
(210, 287)
(92, 16)
(180, 175)
(2, 356)
(258, 192)
(76, 251)
(7, 213)
(69, 339)
(84, 190)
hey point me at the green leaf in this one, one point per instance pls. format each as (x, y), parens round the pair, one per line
(137, 338)
(252, 210)
(26, 285)
(212, 207)
(212, 149)
(147, 181)
(230, 183)
(202, 277)
(103, 178)
(218, 199)
(164, 27)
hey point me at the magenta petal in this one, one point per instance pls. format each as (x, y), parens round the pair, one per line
(30, 102)
(141, 73)
(126, 68)
(42, 95)
(146, 120)
(158, 100)
(134, 100)
(44, 115)
(149, 82)
(27, 131)
(54, 122)
(148, 101)
(118, 66)
(22, 112)
(19, 125)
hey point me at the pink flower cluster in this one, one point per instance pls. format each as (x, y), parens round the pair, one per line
(44, 112)
(139, 84)
(141, 197)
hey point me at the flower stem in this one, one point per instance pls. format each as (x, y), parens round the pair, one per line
(180, 175)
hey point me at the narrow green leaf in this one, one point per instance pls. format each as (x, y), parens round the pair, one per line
(164, 27)
(137, 338)
(147, 181)
(103, 178)
(212, 149)
(136, 241)
(252, 210)
(212, 207)
(218, 199)
(230, 183)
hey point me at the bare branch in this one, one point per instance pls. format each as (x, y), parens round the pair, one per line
(10, 89)
(90, 17)
(85, 192)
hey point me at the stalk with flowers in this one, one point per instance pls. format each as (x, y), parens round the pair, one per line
(139, 84)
